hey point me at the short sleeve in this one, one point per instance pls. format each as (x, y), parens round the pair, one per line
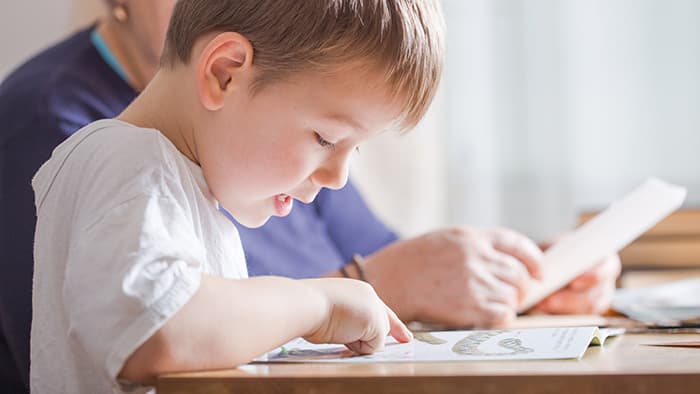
(127, 273)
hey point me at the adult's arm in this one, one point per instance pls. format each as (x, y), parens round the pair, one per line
(352, 226)
(21, 154)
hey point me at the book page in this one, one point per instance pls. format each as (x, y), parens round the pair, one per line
(472, 345)
(613, 229)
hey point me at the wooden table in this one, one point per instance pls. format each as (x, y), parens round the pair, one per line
(626, 364)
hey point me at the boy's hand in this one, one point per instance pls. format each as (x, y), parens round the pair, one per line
(355, 316)
(457, 277)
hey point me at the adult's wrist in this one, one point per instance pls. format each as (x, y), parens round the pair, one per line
(355, 269)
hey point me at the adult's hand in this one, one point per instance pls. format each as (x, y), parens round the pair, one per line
(590, 293)
(458, 277)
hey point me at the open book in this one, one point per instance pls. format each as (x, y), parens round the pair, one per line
(477, 345)
(613, 229)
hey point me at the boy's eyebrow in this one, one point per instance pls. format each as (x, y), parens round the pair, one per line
(340, 118)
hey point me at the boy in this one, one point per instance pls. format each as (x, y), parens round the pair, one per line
(257, 103)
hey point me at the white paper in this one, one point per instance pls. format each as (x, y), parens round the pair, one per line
(476, 345)
(666, 304)
(613, 229)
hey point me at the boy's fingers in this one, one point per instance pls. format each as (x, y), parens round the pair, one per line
(397, 329)
(366, 347)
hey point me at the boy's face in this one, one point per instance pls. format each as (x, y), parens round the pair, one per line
(262, 152)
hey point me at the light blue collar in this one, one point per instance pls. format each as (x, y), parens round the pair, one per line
(107, 55)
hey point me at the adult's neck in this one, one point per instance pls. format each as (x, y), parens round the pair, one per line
(139, 65)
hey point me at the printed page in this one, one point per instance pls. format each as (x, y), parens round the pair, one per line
(613, 229)
(550, 321)
(477, 345)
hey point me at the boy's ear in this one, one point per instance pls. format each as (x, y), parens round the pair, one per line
(224, 66)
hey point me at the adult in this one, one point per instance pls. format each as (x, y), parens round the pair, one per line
(458, 276)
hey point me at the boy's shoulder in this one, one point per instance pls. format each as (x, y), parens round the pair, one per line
(112, 140)
(110, 157)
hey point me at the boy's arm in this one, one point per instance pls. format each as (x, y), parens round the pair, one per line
(229, 322)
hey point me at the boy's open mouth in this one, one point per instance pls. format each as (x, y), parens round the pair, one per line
(283, 204)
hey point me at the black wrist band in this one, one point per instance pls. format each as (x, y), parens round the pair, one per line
(356, 261)
(344, 272)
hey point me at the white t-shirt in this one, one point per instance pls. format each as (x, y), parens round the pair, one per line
(126, 225)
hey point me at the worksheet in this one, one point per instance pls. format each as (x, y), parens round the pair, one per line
(472, 345)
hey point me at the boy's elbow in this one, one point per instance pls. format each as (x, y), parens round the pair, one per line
(151, 359)
(163, 353)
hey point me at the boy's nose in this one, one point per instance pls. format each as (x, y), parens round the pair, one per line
(333, 175)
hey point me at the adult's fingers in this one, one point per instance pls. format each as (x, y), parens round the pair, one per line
(606, 271)
(551, 242)
(496, 314)
(566, 301)
(504, 294)
(487, 287)
(520, 247)
(510, 270)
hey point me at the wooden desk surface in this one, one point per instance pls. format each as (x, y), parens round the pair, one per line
(626, 364)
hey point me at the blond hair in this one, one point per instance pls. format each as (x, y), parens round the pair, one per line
(401, 39)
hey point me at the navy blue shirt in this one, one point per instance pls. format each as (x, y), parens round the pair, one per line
(70, 85)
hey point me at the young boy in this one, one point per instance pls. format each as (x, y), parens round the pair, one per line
(257, 103)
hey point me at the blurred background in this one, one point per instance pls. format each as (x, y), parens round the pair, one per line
(547, 108)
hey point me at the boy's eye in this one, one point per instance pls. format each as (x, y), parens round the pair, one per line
(324, 143)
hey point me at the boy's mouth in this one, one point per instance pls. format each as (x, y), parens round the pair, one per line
(283, 204)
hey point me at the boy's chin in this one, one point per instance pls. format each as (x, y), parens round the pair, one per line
(253, 222)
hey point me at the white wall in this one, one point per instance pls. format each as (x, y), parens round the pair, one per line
(555, 106)
(633, 94)
(403, 177)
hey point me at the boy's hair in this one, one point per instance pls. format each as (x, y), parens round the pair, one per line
(401, 39)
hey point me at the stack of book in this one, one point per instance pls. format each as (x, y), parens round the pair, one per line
(672, 243)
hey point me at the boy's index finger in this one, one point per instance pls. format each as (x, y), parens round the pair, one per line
(397, 328)
(520, 247)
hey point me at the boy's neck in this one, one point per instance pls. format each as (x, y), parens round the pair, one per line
(171, 114)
